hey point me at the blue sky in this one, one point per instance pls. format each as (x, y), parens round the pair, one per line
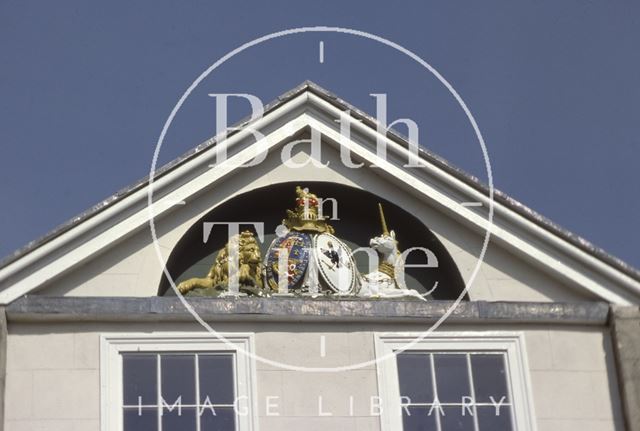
(85, 89)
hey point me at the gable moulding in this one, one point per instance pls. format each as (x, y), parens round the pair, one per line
(505, 222)
(100, 230)
(432, 184)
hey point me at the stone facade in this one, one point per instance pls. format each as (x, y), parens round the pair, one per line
(53, 377)
(535, 279)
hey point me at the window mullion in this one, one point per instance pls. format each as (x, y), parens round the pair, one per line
(159, 386)
(434, 386)
(236, 384)
(473, 393)
(197, 377)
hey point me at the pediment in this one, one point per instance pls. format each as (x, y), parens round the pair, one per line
(111, 252)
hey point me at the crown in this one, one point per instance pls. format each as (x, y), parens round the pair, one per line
(305, 218)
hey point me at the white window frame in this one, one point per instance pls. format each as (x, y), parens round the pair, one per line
(112, 346)
(512, 344)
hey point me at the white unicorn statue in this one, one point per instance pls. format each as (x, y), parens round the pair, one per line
(382, 283)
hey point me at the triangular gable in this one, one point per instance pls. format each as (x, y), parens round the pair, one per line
(310, 109)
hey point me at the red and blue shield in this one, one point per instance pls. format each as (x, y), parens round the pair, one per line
(297, 245)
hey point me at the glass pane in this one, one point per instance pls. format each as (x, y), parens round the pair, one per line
(457, 419)
(140, 420)
(223, 420)
(452, 377)
(414, 373)
(419, 419)
(489, 378)
(179, 420)
(216, 379)
(139, 379)
(178, 378)
(489, 419)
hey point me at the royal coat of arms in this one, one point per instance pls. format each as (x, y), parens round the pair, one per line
(316, 262)
(335, 263)
(297, 246)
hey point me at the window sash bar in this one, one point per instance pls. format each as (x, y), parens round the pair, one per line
(445, 404)
(197, 377)
(434, 385)
(472, 386)
(159, 386)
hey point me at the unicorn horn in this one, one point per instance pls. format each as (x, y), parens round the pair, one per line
(385, 231)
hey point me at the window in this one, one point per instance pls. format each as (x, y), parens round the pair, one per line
(454, 382)
(177, 382)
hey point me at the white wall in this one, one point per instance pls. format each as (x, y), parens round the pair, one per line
(131, 266)
(53, 374)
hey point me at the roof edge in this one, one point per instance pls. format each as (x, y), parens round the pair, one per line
(342, 104)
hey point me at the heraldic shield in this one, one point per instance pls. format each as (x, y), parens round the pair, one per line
(297, 245)
(335, 263)
(307, 258)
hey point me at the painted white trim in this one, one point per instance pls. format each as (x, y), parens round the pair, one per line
(559, 256)
(135, 221)
(432, 184)
(113, 345)
(512, 344)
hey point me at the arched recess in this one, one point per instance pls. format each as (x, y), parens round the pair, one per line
(358, 221)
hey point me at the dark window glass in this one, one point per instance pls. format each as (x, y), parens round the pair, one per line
(452, 377)
(453, 419)
(178, 385)
(489, 378)
(418, 419)
(216, 379)
(145, 419)
(139, 379)
(178, 378)
(414, 373)
(223, 420)
(179, 420)
(454, 391)
(489, 421)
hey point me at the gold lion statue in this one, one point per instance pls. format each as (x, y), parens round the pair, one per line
(249, 270)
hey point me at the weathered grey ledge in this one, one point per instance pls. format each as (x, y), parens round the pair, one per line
(43, 308)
